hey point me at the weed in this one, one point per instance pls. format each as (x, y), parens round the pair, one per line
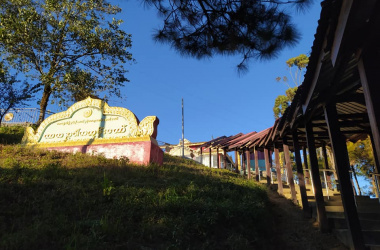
(123, 160)
(107, 186)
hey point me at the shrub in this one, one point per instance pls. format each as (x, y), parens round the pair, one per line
(11, 135)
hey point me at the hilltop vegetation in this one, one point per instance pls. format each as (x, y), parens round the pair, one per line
(11, 135)
(51, 200)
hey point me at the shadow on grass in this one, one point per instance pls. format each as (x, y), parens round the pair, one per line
(55, 201)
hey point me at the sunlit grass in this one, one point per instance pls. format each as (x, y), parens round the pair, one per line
(52, 200)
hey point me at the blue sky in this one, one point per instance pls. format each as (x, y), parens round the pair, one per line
(217, 100)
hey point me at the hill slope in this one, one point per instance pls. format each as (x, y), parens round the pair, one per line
(51, 200)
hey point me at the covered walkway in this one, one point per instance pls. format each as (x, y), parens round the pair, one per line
(338, 101)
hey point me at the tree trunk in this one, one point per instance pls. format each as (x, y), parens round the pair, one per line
(374, 187)
(2, 114)
(44, 103)
(356, 180)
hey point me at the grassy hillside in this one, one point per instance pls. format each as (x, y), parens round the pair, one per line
(51, 200)
(11, 135)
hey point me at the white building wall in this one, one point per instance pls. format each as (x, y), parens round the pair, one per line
(214, 161)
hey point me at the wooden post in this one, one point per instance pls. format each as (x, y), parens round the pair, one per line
(257, 169)
(225, 158)
(243, 161)
(236, 161)
(201, 156)
(248, 157)
(375, 186)
(267, 165)
(376, 168)
(217, 158)
(369, 68)
(307, 174)
(342, 165)
(285, 170)
(326, 166)
(209, 160)
(301, 178)
(239, 162)
(290, 174)
(321, 210)
(280, 188)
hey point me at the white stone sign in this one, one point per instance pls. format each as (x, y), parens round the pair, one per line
(91, 121)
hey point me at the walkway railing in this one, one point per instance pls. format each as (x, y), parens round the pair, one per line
(329, 186)
(324, 181)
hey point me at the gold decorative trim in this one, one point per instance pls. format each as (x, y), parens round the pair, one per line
(88, 113)
(95, 142)
(142, 131)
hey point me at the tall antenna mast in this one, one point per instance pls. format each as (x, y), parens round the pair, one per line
(183, 131)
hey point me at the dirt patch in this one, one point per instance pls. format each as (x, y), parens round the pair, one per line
(294, 231)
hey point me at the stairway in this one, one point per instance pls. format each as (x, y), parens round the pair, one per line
(368, 210)
(369, 216)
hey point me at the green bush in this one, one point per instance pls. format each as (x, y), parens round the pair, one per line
(11, 135)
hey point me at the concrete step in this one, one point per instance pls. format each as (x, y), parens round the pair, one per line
(360, 209)
(374, 201)
(373, 208)
(334, 209)
(333, 203)
(326, 198)
(310, 195)
(360, 202)
(371, 238)
(336, 198)
(362, 216)
(366, 224)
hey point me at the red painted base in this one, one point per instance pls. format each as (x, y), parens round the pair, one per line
(142, 152)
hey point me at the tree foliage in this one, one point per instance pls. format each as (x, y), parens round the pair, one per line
(61, 42)
(250, 28)
(283, 101)
(361, 160)
(300, 61)
(296, 66)
(361, 156)
(13, 93)
(79, 85)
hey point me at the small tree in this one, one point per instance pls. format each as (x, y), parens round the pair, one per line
(13, 93)
(361, 159)
(283, 101)
(56, 42)
(296, 66)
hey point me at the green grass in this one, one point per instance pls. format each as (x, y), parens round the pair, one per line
(51, 200)
(11, 135)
